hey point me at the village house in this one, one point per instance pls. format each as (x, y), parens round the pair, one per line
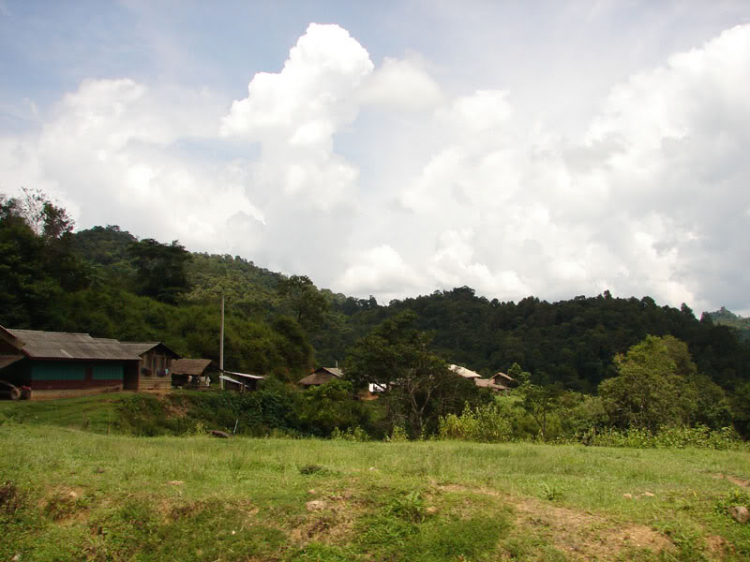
(493, 383)
(191, 372)
(321, 376)
(154, 366)
(240, 382)
(501, 379)
(63, 364)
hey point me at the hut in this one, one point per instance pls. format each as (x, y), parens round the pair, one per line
(155, 362)
(191, 372)
(321, 376)
(502, 379)
(64, 364)
(491, 385)
(240, 382)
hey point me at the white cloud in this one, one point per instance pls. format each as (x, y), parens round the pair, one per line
(402, 84)
(380, 271)
(459, 189)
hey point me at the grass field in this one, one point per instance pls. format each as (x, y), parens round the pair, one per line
(68, 494)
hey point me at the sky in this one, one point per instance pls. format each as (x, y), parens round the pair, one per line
(395, 148)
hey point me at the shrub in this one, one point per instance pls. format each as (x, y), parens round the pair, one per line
(699, 437)
(488, 424)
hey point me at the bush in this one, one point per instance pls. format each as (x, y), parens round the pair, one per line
(488, 424)
(699, 437)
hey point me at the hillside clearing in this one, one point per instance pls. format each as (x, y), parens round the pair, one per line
(73, 495)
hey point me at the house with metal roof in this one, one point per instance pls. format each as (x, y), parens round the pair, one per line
(321, 376)
(154, 372)
(192, 372)
(64, 364)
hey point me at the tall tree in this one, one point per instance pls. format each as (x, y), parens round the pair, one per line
(419, 385)
(304, 299)
(653, 386)
(160, 269)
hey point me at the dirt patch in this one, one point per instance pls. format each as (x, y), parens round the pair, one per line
(334, 523)
(65, 504)
(718, 546)
(579, 534)
(583, 535)
(733, 479)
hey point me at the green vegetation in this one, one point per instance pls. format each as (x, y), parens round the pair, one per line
(72, 495)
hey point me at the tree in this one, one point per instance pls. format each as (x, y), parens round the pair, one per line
(653, 386)
(304, 299)
(539, 401)
(160, 269)
(37, 260)
(420, 386)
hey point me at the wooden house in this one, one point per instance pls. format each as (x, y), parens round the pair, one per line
(491, 385)
(191, 372)
(64, 364)
(502, 379)
(321, 376)
(154, 366)
(240, 382)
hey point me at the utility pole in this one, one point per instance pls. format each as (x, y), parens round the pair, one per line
(221, 345)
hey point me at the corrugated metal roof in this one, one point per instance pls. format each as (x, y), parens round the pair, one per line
(245, 375)
(69, 345)
(464, 372)
(317, 378)
(189, 366)
(144, 347)
(335, 371)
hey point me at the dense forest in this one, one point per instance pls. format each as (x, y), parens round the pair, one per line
(109, 283)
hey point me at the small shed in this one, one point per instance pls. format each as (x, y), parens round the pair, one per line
(490, 384)
(193, 372)
(502, 379)
(154, 367)
(240, 382)
(321, 376)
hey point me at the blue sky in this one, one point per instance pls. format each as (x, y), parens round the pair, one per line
(545, 148)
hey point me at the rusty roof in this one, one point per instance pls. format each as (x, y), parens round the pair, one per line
(38, 344)
(189, 366)
(139, 348)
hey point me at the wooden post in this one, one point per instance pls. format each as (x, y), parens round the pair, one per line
(221, 345)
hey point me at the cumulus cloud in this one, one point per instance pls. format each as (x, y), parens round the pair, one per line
(465, 190)
(402, 84)
(381, 271)
(295, 113)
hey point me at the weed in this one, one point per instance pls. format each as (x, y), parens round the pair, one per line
(410, 507)
(550, 492)
(314, 469)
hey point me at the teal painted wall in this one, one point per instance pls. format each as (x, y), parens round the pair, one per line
(58, 371)
(108, 372)
(75, 371)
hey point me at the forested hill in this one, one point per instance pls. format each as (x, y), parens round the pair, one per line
(725, 317)
(107, 282)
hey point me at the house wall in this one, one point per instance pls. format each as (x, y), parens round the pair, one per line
(60, 379)
(152, 362)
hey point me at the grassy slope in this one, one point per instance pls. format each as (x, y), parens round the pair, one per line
(94, 413)
(72, 495)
